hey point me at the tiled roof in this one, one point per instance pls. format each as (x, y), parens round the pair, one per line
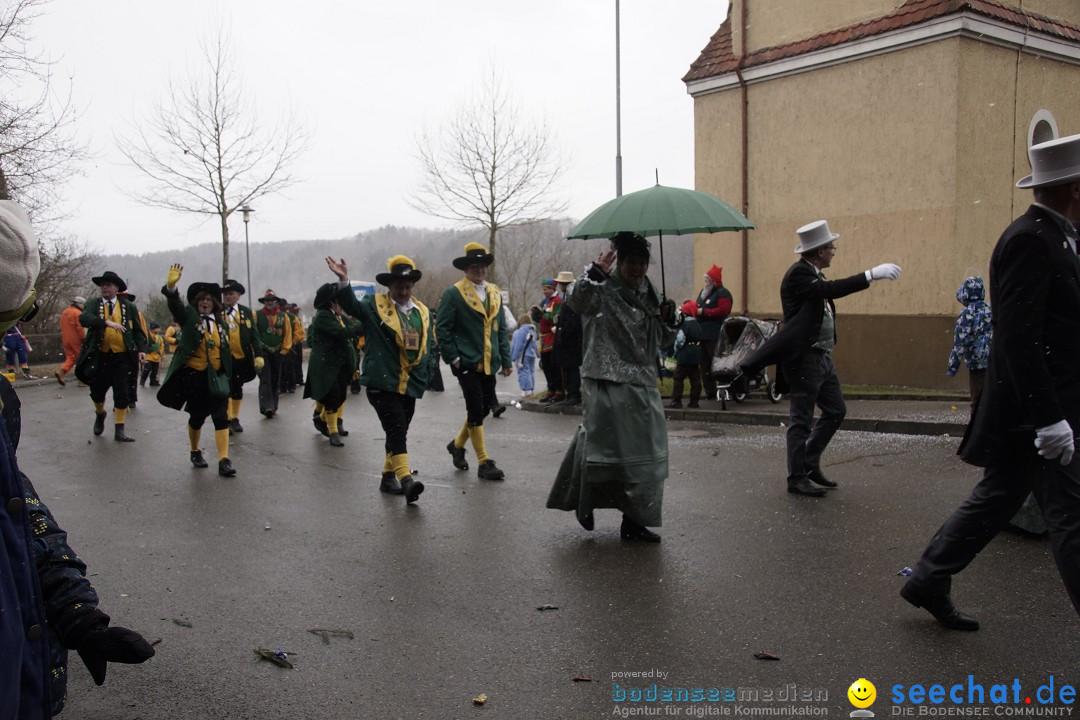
(718, 57)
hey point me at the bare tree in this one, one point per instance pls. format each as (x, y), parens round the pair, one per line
(38, 150)
(488, 166)
(204, 149)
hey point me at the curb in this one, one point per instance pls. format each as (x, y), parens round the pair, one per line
(737, 417)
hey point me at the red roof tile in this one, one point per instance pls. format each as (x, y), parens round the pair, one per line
(718, 57)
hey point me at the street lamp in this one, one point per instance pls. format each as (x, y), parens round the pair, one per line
(246, 210)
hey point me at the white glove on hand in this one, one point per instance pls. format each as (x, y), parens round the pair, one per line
(1056, 440)
(885, 271)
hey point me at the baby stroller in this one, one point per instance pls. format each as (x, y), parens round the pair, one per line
(739, 338)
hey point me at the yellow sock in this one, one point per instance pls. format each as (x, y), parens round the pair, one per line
(400, 464)
(193, 437)
(319, 410)
(462, 436)
(221, 439)
(99, 407)
(331, 421)
(476, 433)
(387, 466)
(119, 415)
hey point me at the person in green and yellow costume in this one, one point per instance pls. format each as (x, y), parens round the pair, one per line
(244, 345)
(155, 349)
(398, 360)
(333, 361)
(292, 372)
(473, 340)
(275, 334)
(198, 376)
(115, 344)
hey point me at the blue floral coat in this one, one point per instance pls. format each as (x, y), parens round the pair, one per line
(971, 342)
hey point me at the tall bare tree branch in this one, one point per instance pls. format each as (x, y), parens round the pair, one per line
(204, 149)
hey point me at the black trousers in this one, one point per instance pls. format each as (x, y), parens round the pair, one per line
(989, 508)
(686, 372)
(199, 404)
(335, 396)
(708, 382)
(150, 370)
(552, 372)
(571, 380)
(479, 392)
(813, 381)
(270, 382)
(239, 367)
(395, 413)
(114, 371)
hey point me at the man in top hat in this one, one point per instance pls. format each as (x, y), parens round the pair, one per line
(803, 348)
(275, 336)
(399, 360)
(115, 344)
(1024, 426)
(244, 347)
(473, 341)
(72, 334)
(713, 306)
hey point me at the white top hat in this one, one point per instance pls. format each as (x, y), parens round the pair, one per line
(19, 262)
(814, 235)
(1054, 162)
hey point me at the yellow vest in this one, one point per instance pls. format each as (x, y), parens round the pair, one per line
(207, 348)
(113, 340)
(235, 347)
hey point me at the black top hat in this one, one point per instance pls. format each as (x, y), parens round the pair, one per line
(199, 287)
(110, 276)
(400, 268)
(324, 295)
(232, 286)
(474, 253)
(154, 325)
(269, 298)
(283, 302)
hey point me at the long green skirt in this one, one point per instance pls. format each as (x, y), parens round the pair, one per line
(618, 457)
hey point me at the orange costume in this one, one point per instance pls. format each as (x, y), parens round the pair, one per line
(72, 334)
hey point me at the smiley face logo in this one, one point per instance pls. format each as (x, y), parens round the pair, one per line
(862, 693)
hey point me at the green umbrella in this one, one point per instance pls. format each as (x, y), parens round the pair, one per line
(658, 210)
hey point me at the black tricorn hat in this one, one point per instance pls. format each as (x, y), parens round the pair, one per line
(400, 268)
(233, 286)
(474, 253)
(110, 276)
(199, 287)
(324, 295)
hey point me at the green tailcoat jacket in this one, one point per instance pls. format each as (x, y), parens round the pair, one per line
(191, 334)
(93, 319)
(473, 330)
(333, 352)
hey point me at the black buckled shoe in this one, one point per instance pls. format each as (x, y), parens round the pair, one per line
(225, 468)
(488, 471)
(458, 454)
(498, 410)
(99, 423)
(268, 413)
(390, 485)
(815, 476)
(802, 486)
(335, 440)
(320, 425)
(940, 606)
(120, 436)
(235, 426)
(630, 530)
(675, 404)
(341, 428)
(411, 488)
(198, 460)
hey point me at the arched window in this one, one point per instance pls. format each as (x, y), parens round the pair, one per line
(1043, 127)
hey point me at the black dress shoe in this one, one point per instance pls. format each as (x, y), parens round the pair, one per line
(99, 423)
(198, 460)
(268, 413)
(235, 426)
(802, 486)
(675, 404)
(498, 411)
(390, 485)
(587, 521)
(341, 428)
(320, 425)
(411, 488)
(335, 440)
(225, 468)
(815, 476)
(571, 401)
(632, 531)
(940, 606)
(693, 405)
(120, 436)
(488, 471)
(459, 456)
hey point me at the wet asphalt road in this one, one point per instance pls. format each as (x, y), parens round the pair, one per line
(442, 598)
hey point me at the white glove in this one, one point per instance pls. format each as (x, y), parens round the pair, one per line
(885, 271)
(1054, 440)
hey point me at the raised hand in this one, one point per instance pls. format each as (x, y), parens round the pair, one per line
(173, 277)
(606, 261)
(338, 267)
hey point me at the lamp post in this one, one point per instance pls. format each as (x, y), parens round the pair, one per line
(246, 210)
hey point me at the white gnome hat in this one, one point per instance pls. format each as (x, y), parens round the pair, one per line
(19, 262)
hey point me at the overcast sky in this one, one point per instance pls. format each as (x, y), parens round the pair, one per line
(365, 77)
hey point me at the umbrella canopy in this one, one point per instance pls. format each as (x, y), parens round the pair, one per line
(661, 210)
